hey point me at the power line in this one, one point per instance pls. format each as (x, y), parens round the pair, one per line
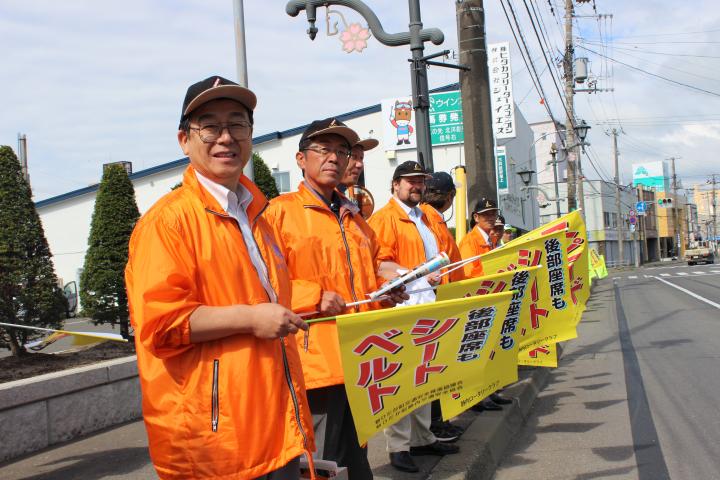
(702, 90)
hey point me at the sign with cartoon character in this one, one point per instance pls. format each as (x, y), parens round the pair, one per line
(398, 123)
(446, 121)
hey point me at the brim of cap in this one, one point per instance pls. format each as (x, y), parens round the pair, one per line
(487, 210)
(426, 175)
(367, 144)
(233, 92)
(346, 132)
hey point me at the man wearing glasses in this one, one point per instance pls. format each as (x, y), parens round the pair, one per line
(332, 257)
(223, 393)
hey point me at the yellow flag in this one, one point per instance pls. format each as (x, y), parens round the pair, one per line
(399, 359)
(501, 370)
(542, 356)
(576, 246)
(551, 314)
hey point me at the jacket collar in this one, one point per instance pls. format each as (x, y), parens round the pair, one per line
(311, 198)
(257, 204)
(400, 211)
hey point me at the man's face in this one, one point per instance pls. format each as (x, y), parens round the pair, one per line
(409, 190)
(223, 160)
(355, 167)
(324, 170)
(486, 220)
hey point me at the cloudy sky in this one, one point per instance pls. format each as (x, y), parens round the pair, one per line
(92, 81)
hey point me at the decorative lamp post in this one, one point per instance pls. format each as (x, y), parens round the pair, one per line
(354, 38)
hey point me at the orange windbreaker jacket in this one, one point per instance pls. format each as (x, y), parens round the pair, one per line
(233, 408)
(447, 241)
(400, 241)
(471, 245)
(324, 254)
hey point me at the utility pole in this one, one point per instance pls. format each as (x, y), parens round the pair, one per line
(679, 243)
(573, 173)
(23, 157)
(714, 182)
(475, 91)
(553, 154)
(241, 63)
(621, 235)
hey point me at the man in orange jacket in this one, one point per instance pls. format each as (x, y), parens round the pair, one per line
(437, 199)
(332, 257)
(209, 294)
(478, 242)
(406, 238)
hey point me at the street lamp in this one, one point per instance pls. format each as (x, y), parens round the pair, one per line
(582, 130)
(526, 176)
(415, 37)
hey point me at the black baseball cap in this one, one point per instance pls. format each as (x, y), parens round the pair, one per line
(328, 126)
(409, 169)
(440, 182)
(485, 205)
(213, 88)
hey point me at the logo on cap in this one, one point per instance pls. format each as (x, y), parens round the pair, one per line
(487, 204)
(217, 82)
(417, 167)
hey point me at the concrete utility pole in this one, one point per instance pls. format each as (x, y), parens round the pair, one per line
(679, 243)
(23, 157)
(475, 91)
(553, 154)
(617, 198)
(714, 182)
(241, 62)
(573, 173)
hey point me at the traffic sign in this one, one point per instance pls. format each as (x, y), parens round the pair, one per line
(640, 207)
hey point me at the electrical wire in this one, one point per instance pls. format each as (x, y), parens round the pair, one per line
(692, 87)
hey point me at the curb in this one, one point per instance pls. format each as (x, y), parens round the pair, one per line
(489, 434)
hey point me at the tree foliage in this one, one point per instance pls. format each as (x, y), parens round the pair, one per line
(102, 283)
(263, 177)
(29, 291)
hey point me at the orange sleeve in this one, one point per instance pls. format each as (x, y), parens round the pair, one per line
(305, 295)
(468, 249)
(162, 293)
(386, 237)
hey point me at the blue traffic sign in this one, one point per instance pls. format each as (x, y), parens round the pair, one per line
(640, 208)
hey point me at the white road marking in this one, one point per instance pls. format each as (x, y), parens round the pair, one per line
(664, 274)
(699, 272)
(683, 273)
(692, 294)
(632, 277)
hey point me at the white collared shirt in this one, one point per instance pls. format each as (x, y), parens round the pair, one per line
(428, 237)
(236, 204)
(484, 235)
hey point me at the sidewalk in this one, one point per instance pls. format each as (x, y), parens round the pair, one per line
(121, 452)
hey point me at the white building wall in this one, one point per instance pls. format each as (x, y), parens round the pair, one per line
(545, 135)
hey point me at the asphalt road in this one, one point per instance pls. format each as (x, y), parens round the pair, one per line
(636, 396)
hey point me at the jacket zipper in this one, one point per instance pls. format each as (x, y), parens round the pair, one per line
(347, 253)
(349, 261)
(215, 416)
(293, 395)
(286, 366)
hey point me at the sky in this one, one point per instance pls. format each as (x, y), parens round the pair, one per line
(93, 81)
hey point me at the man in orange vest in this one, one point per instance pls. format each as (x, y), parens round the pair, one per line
(407, 239)
(332, 257)
(478, 242)
(222, 387)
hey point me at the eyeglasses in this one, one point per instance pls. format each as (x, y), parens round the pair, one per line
(212, 132)
(324, 152)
